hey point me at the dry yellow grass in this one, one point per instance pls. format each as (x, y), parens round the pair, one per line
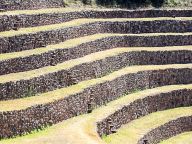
(86, 59)
(82, 129)
(133, 131)
(68, 9)
(64, 92)
(62, 66)
(52, 10)
(77, 41)
(41, 11)
(82, 21)
(63, 45)
(184, 138)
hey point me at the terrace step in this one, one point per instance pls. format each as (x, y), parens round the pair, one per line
(154, 127)
(71, 49)
(41, 36)
(85, 124)
(55, 106)
(179, 139)
(30, 18)
(30, 83)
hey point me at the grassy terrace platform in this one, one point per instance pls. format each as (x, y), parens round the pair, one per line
(51, 96)
(179, 139)
(137, 129)
(41, 36)
(11, 62)
(68, 10)
(82, 21)
(86, 124)
(43, 11)
(92, 58)
(69, 44)
(63, 45)
(88, 59)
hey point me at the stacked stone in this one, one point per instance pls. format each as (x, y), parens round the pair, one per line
(9, 22)
(27, 41)
(23, 121)
(143, 107)
(42, 115)
(66, 77)
(168, 130)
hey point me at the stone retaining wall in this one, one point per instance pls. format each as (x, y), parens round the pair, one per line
(44, 38)
(20, 122)
(143, 107)
(8, 22)
(29, 4)
(85, 71)
(168, 130)
(54, 57)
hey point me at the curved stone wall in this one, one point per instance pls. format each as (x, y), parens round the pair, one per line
(143, 107)
(66, 77)
(44, 38)
(47, 114)
(48, 58)
(8, 22)
(170, 129)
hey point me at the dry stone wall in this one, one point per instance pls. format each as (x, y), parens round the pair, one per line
(54, 57)
(168, 130)
(29, 4)
(85, 71)
(8, 22)
(44, 38)
(145, 106)
(20, 122)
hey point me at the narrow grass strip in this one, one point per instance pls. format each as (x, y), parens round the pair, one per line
(132, 132)
(184, 138)
(81, 21)
(63, 45)
(68, 9)
(86, 59)
(86, 123)
(64, 92)
(76, 42)
(53, 10)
